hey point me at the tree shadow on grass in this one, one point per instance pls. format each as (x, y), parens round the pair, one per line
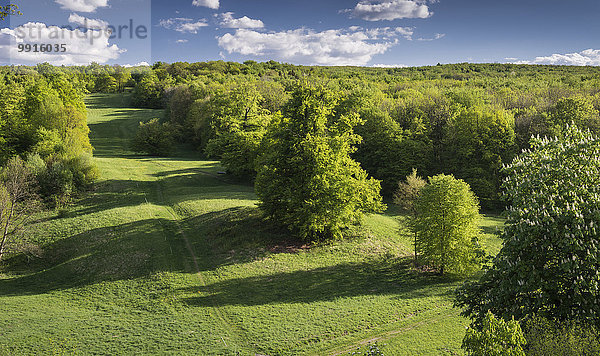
(375, 277)
(238, 235)
(120, 252)
(242, 235)
(112, 194)
(141, 248)
(107, 101)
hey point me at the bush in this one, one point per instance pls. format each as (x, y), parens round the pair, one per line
(153, 138)
(84, 170)
(447, 225)
(59, 177)
(56, 183)
(495, 338)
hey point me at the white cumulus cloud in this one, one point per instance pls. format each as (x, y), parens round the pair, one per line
(141, 64)
(181, 41)
(390, 10)
(387, 33)
(228, 21)
(589, 57)
(437, 36)
(211, 4)
(81, 47)
(389, 66)
(182, 24)
(82, 5)
(85, 22)
(304, 46)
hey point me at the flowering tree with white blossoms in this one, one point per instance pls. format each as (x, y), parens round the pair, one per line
(550, 262)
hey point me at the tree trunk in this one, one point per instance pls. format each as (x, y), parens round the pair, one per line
(415, 233)
(5, 231)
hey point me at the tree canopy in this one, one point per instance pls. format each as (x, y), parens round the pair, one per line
(446, 224)
(549, 262)
(306, 178)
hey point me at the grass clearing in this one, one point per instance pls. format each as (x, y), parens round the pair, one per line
(166, 256)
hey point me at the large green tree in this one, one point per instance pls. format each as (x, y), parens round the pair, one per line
(306, 178)
(551, 255)
(447, 225)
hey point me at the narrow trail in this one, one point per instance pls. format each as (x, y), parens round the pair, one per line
(111, 138)
(382, 337)
(236, 341)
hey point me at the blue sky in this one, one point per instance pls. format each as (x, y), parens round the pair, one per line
(324, 32)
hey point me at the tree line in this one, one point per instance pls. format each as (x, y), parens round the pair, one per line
(466, 120)
(45, 151)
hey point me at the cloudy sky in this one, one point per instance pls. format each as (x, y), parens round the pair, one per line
(323, 32)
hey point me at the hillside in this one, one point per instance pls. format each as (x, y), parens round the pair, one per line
(168, 256)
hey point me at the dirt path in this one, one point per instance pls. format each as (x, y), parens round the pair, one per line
(236, 341)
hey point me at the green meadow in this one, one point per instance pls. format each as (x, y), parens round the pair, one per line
(167, 256)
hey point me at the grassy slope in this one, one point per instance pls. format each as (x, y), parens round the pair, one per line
(166, 256)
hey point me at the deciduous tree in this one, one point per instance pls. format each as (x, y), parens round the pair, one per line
(447, 225)
(550, 259)
(17, 201)
(406, 196)
(306, 178)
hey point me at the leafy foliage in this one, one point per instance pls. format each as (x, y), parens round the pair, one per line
(59, 177)
(408, 192)
(545, 337)
(577, 111)
(549, 262)
(7, 10)
(148, 92)
(407, 196)
(306, 178)
(153, 138)
(447, 225)
(496, 338)
(240, 124)
(479, 140)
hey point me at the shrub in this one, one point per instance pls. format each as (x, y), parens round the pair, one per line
(496, 337)
(59, 177)
(56, 183)
(153, 138)
(84, 170)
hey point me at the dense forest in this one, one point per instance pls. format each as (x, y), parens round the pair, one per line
(463, 119)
